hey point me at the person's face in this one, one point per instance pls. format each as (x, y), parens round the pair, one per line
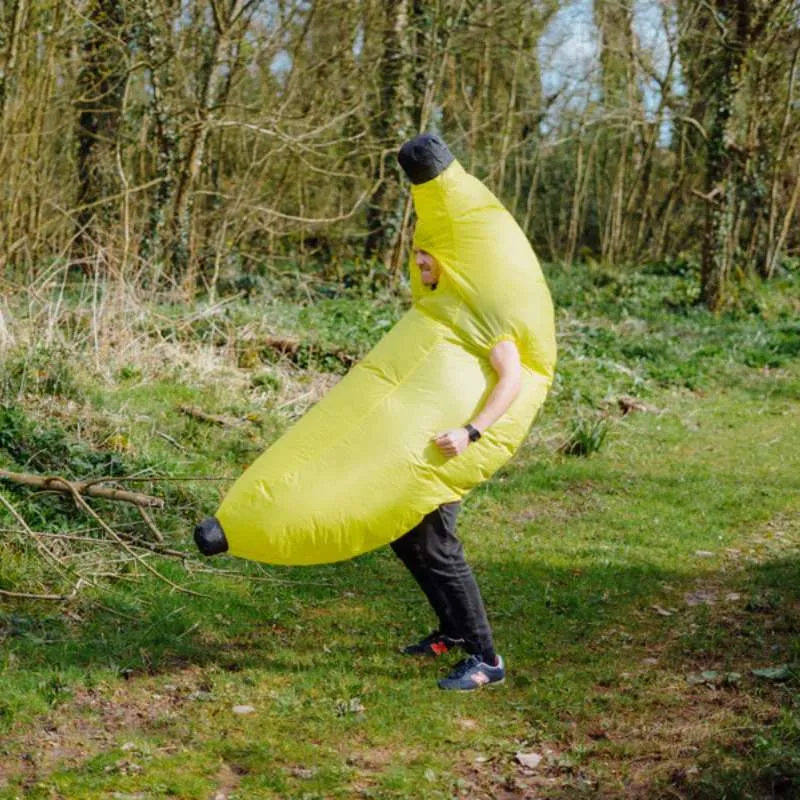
(429, 268)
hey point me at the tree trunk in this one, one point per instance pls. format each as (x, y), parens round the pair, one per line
(101, 85)
(577, 211)
(9, 47)
(392, 124)
(768, 253)
(157, 54)
(622, 102)
(228, 17)
(721, 187)
(193, 155)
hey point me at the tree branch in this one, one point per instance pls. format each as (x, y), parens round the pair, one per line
(88, 488)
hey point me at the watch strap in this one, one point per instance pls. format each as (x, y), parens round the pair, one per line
(474, 433)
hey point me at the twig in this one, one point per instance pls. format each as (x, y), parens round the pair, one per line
(115, 576)
(710, 197)
(61, 567)
(108, 529)
(134, 541)
(30, 596)
(161, 551)
(214, 419)
(627, 404)
(174, 442)
(294, 400)
(166, 478)
(203, 313)
(69, 533)
(291, 217)
(263, 578)
(151, 525)
(103, 200)
(188, 630)
(89, 488)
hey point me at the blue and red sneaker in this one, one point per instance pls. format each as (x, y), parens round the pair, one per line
(434, 644)
(472, 673)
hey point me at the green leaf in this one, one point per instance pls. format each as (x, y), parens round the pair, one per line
(781, 673)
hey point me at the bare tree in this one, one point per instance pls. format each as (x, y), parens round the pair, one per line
(158, 52)
(391, 122)
(101, 86)
(12, 21)
(206, 137)
(743, 27)
(230, 21)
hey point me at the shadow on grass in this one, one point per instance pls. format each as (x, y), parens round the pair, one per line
(564, 631)
(538, 612)
(761, 757)
(144, 627)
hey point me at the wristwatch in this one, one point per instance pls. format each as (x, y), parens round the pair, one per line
(474, 433)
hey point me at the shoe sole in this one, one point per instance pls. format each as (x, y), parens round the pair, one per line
(472, 688)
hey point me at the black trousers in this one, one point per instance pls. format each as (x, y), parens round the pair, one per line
(435, 557)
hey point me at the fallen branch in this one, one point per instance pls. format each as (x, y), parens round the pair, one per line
(151, 525)
(125, 546)
(214, 419)
(627, 404)
(30, 596)
(88, 488)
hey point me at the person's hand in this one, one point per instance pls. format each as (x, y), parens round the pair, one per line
(452, 443)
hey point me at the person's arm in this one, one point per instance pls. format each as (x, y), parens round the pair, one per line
(504, 358)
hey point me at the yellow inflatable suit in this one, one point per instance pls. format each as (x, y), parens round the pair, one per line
(360, 468)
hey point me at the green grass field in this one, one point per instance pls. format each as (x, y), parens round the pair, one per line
(633, 591)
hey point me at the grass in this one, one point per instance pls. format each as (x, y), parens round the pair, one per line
(627, 589)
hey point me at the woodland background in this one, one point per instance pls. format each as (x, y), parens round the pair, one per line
(180, 144)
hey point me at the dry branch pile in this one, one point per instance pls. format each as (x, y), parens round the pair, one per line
(73, 555)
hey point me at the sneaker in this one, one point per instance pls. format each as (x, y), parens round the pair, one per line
(471, 673)
(435, 644)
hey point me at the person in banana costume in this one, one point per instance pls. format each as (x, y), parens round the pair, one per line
(440, 403)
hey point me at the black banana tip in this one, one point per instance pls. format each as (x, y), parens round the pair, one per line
(210, 538)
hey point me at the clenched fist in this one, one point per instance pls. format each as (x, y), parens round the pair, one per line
(452, 443)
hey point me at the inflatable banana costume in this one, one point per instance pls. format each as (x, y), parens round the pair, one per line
(360, 468)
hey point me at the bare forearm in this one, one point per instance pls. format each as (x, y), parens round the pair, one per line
(498, 402)
(505, 361)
